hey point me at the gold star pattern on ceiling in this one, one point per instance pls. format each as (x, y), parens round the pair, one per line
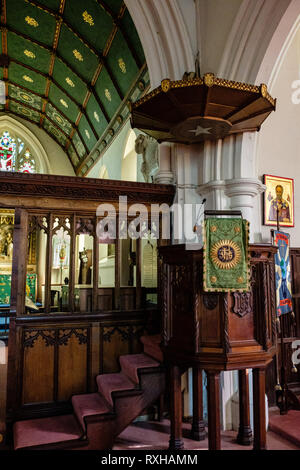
(77, 55)
(122, 65)
(29, 54)
(87, 134)
(27, 78)
(88, 18)
(64, 103)
(31, 21)
(69, 82)
(96, 116)
(107, 94)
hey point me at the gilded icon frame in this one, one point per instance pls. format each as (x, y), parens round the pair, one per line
(270, 204)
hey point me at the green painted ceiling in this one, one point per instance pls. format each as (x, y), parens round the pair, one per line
(71, 67)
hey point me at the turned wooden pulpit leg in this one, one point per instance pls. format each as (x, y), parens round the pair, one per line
(213, 402)
(259, 411)
(245, 432)
(198, 427)
(175, 442)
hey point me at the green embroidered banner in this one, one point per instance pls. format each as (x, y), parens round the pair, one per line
(226, 259)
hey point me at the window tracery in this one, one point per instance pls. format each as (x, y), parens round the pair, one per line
(15, 155)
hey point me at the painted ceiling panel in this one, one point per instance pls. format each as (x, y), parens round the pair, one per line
(87, 133)
(63, 103)
(58, 119)
(77, 54)
(78, 145)
(107, 93)
(27, 78)
(69, 81)
(31, 21)
(129, 29)
(25, 97)
(30, 54)
(68, 66)
(96, 116)
(73, 155)
(51, 129)
(121, 62)
(53, 4)
(24, 112)
(91, 21)
(114, 5)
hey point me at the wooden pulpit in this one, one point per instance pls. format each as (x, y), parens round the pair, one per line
(217, 332)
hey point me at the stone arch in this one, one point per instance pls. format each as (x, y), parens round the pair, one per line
(164, 38)
(8, 123)
(258, 37)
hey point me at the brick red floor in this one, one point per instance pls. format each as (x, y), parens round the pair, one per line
(153, 435)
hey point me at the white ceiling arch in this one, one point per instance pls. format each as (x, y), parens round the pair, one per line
(164, 36)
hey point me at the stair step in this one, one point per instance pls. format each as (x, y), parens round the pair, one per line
(110, 383)
(131, 363)
(46, 431)
(295, 389)
(89, 404)
(286, 426)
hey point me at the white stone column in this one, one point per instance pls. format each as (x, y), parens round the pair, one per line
(164, 174)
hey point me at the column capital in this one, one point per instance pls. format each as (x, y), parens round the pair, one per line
(244, 187)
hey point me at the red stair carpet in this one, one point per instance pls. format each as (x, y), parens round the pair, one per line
(287, 426)
(98, 418)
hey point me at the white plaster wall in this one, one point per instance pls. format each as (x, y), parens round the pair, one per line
(112, 158)
(278, 150)
(58, 159)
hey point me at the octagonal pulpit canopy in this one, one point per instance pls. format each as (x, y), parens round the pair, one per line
(208, 108)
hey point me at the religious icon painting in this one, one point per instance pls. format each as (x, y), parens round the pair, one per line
(279, 201)
(283, 273)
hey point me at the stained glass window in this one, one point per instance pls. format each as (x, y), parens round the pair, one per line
(15, 155)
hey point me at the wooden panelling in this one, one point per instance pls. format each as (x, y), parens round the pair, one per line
(38, 366)
(105, 299)
(72, 363)
(115, 342)
(59, 355)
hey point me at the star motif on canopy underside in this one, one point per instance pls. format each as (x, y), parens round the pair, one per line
(201, 130)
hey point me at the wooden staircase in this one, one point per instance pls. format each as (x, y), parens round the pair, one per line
(98, 418)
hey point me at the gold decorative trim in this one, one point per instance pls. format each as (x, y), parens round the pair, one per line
(77, 55)
(70, 82)
(62, 101)
(29, 54)
(225, 254)
(27, 78)
(208, 80)
(88, 18)
(122, 65)
(166, 85)
(31, 21)
(107, 94)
